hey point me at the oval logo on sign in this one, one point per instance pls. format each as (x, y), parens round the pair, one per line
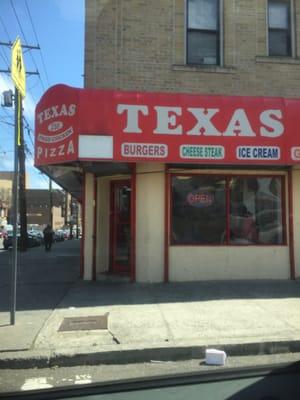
(55, 126)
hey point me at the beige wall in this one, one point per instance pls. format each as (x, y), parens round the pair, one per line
(140, 45)
(150, 187)
(88, 227)
(103, 213)
(58, 220)
(228, 262)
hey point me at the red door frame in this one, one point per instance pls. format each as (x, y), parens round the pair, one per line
(113, 268)
(133, 223)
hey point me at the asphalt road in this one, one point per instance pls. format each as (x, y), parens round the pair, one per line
(72, 377)
(42, 281)
(45, 271)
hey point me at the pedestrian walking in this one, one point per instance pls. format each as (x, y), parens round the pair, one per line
(48, 237)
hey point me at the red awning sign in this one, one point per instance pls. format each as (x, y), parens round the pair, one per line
(74, 124)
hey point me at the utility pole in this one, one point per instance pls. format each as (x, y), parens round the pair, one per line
(15, 214)
(18, 75)
(22, 190)
(21, 186)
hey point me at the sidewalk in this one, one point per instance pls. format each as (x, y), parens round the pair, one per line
(157, 322)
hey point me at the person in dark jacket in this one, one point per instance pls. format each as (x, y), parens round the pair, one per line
(48, 237)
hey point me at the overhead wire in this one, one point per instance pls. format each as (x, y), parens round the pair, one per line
(5, 29)
(29, 131)
(6, 123)
(37, 40)
(5, 58)
(24, 36)
(6, 112)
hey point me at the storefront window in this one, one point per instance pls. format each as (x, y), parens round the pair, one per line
(226, 210)
(198, 210)
(256, 210)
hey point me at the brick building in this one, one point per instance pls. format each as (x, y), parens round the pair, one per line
(38, 204)
(6, 179)
(38, 207)
(184, 141)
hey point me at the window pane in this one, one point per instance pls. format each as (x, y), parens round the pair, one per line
(203, 14)
(198, 210)
(279, 43)
(202, 48)
(256, 211)
(278, 14)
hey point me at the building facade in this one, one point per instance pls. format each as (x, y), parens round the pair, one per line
(43, 206)
(6, 180)
(186, 145)
(38, 204)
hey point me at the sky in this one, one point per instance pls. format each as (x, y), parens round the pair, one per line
(57, 27)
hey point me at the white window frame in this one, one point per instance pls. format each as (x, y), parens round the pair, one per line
(221, 35)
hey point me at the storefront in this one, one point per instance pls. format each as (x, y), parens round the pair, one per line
(174, 186)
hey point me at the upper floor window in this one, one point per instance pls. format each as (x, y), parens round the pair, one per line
(279, 27)
(203, 32)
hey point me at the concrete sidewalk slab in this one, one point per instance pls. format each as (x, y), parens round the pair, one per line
(168, 322)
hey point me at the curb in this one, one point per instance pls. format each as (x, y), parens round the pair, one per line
(47, 359)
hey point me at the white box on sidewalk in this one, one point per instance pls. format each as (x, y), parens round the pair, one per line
(215, 357)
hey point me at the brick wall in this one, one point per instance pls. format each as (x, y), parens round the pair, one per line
(140, 45)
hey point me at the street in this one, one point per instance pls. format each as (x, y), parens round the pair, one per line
(45, 378)
(42, 280)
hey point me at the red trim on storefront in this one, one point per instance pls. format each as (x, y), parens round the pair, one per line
(167, 225)
(82, 229)
(227, 189)
(133, 225)
(111, 231)
(291, 224)
(94, 227)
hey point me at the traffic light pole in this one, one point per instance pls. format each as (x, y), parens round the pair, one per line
(18, 107)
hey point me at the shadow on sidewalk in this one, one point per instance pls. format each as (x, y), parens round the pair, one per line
(89, 294)
(43, 278)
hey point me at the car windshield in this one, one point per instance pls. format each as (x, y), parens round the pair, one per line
(149, 200)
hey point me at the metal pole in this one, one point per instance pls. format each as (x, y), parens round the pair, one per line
(22, 185)
(15, 212)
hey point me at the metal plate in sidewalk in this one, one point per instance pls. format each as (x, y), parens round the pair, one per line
(84, 323)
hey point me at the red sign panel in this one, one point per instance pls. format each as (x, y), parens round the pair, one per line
(56, 126)
(165, 127)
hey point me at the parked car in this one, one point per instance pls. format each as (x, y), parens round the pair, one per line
(59, 235)
(32, 241)
(38, 235)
